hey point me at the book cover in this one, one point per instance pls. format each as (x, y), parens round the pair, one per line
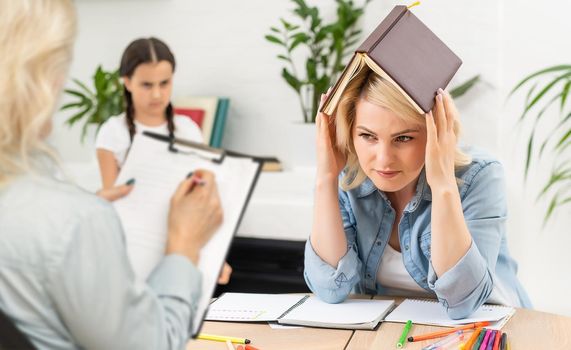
(208, 104)
(197, 115)
(406, 52)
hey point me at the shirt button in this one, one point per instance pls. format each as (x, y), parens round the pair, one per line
(368, 276)
(406, 247)
(379, 242)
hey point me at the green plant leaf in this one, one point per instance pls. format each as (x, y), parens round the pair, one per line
(71, 105)
(543, 91)
(291, 80)
(538, 73)
(564, 94)
(528, 155)
(556, 177)
(553, 131)
(274, 40)
(83, 87)
(549, 212)
(285, 58)
(298, 39)
(77, 117)
(464, 87)
(311, 68)
(288, 26)
(274, 29)
(79, 94)
(561, 144)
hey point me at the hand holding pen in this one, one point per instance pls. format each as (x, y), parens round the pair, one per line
(195, 214)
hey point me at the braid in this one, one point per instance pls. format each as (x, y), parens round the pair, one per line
(170, 120)
(129, 114)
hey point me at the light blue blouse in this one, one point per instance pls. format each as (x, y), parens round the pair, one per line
(486, 270)
(66, 281)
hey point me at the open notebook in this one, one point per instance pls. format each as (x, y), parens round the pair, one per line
(158, 167)
(430, 312)
(303, 310)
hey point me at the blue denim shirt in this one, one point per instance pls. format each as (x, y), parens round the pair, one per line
(368, 219)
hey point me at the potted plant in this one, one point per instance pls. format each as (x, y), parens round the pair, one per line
(548, 89)
(95, 106)
(328, 46)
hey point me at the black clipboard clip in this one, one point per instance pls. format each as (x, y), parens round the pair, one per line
(200, 150)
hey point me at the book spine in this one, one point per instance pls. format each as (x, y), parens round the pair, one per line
(382, 29)
(301, 301)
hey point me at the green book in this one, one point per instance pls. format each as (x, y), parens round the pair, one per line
(219, 122)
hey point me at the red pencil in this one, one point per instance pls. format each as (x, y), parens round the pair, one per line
(497, 340)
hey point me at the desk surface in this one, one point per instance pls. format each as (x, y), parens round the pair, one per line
(527, 329)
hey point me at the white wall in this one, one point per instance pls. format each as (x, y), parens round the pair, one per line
(220, 50)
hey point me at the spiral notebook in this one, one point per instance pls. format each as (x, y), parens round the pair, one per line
(301, 310)
(430, 312)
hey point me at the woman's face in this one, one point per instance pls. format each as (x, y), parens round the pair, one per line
(390, 150)
(151, 88)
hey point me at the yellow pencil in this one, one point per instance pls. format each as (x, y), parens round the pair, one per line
(223, 338)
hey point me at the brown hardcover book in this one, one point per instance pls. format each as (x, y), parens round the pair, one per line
(404, 51)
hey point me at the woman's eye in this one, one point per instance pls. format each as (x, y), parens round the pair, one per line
(403, 138)
(367, 137)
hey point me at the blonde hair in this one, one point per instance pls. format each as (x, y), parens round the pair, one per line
(36, 42)
(377, 90)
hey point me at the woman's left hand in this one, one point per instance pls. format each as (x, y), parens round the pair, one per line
(114, 193)
(441, 143)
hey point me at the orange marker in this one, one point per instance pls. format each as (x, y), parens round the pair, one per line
(473, 338)
(447, 331)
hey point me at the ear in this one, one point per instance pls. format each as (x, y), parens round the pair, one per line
(127, 82)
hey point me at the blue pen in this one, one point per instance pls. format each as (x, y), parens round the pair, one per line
(446, 342)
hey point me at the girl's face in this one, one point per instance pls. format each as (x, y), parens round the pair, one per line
(151, 88)
(390, 151)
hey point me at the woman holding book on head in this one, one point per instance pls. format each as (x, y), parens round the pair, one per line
(147, 68)
(400, 209)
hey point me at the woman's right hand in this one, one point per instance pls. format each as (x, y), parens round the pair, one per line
(195, 214)
(330, 160)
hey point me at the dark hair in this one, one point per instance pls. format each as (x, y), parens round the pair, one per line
(144, 50)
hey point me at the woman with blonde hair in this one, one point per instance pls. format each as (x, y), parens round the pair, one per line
(400, 209)
(65, 279)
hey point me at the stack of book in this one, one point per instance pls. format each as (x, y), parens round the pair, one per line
(209, 112)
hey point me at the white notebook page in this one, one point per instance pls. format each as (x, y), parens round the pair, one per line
(251, 307)
(431, 312)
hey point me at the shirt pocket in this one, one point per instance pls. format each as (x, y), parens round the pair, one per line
(425, 239)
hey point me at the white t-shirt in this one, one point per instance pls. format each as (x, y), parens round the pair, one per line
(114, 135)
(393, 274)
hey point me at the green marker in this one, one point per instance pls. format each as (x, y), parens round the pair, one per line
(479, 340)
(405, 331)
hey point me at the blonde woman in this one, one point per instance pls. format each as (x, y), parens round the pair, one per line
(401, 210)
(65, 279)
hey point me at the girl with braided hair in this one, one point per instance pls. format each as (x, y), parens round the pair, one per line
(147, 68)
